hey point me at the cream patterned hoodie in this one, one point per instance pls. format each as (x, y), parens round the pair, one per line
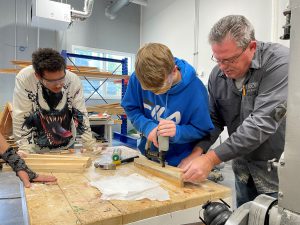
(43, 120)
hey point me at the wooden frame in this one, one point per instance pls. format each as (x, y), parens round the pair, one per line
(6, 127)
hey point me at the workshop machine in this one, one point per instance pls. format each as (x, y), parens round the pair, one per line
(266, 210)
(160, 155)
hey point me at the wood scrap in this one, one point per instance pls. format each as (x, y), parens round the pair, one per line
(94, 74)
(169, 173)
(49, 158)
(85, 162)
(23, 64)
(56, 163)
(9, 71)
(6, 127)
(112, 109)
(55, 156)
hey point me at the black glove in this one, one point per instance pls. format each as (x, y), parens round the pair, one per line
(17, 163)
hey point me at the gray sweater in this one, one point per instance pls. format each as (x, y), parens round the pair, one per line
(254, 117)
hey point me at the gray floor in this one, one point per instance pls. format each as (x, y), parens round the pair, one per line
(229, 180)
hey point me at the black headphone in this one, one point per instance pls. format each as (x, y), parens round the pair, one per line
(215, 213)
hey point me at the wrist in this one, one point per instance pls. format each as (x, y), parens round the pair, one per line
(213, 157)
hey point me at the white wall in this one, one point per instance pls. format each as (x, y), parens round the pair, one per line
(258, 12)
(172, 23)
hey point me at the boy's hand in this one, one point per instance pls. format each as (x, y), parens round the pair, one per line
(166, 128)
(153, 137)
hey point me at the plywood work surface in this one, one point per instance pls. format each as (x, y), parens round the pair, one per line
(74, 201)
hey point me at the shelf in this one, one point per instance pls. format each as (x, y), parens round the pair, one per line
(94, 74)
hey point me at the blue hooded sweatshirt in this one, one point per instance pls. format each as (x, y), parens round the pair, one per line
(186, 103)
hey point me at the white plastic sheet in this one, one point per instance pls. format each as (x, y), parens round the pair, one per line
(132, 187)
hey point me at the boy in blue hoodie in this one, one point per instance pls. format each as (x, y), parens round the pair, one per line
(165, 97)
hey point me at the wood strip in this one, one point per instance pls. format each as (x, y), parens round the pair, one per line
(113, 109)
(55, 156)
(61, 165)
(15, 71)
(46, 161)
(169, 173)
(51, 169)
(100, 75)
(94, 74)
(6, 121)
(22, 63)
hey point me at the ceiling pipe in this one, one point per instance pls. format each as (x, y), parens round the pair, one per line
(112, 9)
(82, 15)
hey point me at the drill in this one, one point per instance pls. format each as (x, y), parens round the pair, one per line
(163, 147)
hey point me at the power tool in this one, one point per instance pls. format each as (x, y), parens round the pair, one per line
(160, 155)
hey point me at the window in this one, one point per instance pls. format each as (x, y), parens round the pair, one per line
(110, 89)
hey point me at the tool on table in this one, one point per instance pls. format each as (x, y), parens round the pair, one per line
(116, 155)
(160, 155)
(108, 164)
(105, 166)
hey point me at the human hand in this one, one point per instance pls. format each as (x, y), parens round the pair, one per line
(199, 168)
(197, 151)
(153, 137)
(22, 154)
(40, 178)
(166, 128)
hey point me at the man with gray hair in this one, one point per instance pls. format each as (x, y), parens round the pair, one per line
(248, 93)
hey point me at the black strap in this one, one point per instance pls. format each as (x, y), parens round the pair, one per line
(17, 163)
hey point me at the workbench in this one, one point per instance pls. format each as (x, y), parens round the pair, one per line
(73, 201)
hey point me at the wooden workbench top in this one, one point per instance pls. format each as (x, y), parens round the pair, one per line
(73, 201)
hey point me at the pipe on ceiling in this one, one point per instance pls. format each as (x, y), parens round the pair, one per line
(82, 15)
(112, 9)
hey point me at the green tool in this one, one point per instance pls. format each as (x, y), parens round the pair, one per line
(116, 155)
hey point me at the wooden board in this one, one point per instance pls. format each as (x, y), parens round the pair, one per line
(169, 173)
(9, 71)
(53, 163)
(23, 64)
(6, 127)
(94, 74)
(112, 109)
(54, 156)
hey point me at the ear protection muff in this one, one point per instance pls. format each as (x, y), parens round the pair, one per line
(216, 213)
